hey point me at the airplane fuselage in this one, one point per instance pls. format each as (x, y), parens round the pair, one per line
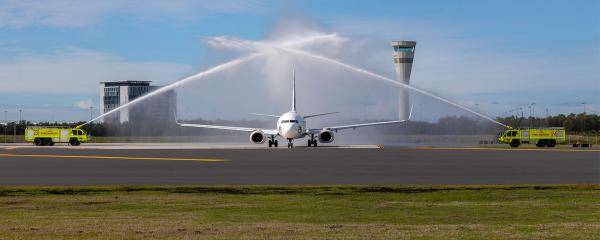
(291, 126)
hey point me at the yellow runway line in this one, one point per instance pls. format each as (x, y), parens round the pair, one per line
(509, 149)
(115, 157)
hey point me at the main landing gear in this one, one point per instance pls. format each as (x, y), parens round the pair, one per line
(290, 143)
(272, 141)
(312, 141)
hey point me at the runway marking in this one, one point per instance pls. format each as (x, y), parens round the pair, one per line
(116, 157)
(509, 149)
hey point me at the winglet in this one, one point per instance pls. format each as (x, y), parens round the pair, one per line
(176, 119)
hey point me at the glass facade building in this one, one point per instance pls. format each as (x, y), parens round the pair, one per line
(160, 108)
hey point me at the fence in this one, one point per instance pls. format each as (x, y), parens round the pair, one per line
(591, 138)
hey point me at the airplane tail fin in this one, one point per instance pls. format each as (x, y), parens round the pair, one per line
(293, 90)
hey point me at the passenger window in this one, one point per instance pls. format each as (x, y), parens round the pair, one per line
(80, 133)
(74, 132)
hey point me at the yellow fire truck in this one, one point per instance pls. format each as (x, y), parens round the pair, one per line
(48, 136)
(541, 137)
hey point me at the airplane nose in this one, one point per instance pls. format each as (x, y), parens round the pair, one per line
(290, 130)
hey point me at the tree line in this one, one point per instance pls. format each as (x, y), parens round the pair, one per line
(459, 125)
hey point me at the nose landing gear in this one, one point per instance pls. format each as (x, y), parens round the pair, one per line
(290, 143)
(312, 141)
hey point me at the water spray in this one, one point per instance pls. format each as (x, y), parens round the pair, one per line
(166, 88)
(377, 76)
(210, 71)
(359, 70)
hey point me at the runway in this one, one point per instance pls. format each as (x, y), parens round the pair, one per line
(105, 165)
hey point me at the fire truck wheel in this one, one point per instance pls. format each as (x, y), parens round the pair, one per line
(74, 142)
(515, 143)
(541, 143)
(551, 143)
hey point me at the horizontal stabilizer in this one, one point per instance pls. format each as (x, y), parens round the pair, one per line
(265, 115)
(320, 114)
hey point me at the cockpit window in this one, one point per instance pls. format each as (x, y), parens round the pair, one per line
(293, 121)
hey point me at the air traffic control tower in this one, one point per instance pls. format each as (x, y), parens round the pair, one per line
(404, 51)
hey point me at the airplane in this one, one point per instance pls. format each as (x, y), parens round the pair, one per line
(291, 125)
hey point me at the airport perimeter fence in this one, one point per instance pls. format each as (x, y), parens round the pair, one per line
(435, 140)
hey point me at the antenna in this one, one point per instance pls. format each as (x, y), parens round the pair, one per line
(293, 90)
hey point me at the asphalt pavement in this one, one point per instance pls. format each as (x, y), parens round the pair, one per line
(299, 166)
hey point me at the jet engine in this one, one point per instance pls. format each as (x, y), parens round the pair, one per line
(326, 136)
(257, 137)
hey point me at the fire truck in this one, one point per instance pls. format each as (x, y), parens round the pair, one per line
(48, 136)
(541, 137)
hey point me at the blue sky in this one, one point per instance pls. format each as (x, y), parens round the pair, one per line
(517, 51)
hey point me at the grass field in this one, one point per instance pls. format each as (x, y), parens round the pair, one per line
(332, 212)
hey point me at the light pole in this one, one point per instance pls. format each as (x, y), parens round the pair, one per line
(21, 118)
(91, 113)
(533, 113)
(14, 132)
(5, 125)
(583, 103)
(529, 115)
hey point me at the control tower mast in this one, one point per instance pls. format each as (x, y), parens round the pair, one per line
(404, 51)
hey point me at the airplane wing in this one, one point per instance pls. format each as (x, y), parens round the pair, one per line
(243, 129)
(265, 115)
(354, 126)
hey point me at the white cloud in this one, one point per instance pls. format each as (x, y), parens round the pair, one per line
(84, 104)
(79, 71)
(76, 13)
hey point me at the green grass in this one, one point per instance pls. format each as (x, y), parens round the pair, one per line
(259, 212)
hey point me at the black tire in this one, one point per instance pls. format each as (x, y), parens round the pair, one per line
(37, 142)
(270, 143)
(46, 142)
(551, 143)
(74, 142)
(315, 143)
(276, 144)
(515, 143)
(541, 143)
(310, 143)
